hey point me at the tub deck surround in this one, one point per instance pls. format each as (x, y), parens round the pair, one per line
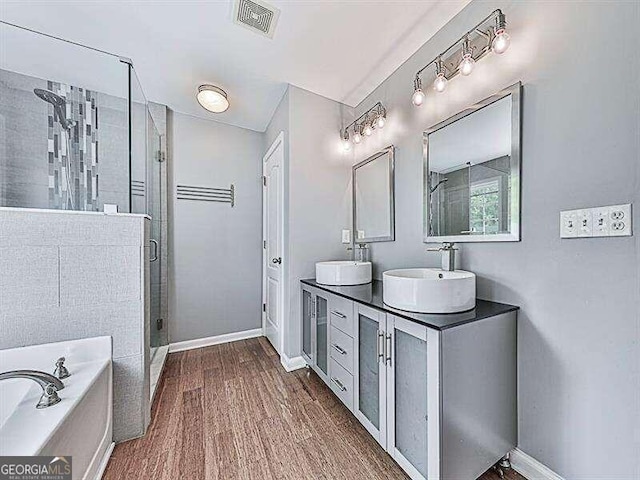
(66, 275)
(61, 429)
(231, 411)
(371, 295)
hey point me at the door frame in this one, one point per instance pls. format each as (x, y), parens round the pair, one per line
(284, 277)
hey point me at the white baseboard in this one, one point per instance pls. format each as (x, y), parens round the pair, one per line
(208, 341)
(530, 468)
(105, 461)
(291, 364)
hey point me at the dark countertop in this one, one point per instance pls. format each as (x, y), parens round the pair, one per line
(370, 294)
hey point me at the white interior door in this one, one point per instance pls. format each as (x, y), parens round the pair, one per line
(272, 218)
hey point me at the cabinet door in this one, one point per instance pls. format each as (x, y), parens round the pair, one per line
(322, 335)
(408, 395)
(370, 373)
(307, 324)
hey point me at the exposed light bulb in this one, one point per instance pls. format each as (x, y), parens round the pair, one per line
(368, 130)
(501, 41)
(346, 144)
(440, 83)
(418, 97)
(381, 121)
(467, 64)
(357, 138)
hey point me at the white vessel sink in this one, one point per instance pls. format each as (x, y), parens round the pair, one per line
(343, 273)
(429, 290)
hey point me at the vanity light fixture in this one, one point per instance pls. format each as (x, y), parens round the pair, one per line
(501, 39)
(368, 129)
(346, 142)
(418, 95)
(467, 62)
(357, 136)
(488, 35)
(440, 83)
(212, 98)
(375, 117)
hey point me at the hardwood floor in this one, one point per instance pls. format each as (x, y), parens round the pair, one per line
(230, 411)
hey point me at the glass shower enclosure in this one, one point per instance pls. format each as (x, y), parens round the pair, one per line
(77, 133)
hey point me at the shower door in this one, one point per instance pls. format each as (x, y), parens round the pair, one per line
(155, 169)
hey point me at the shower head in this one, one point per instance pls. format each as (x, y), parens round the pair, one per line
(433, 189)
(59, 105)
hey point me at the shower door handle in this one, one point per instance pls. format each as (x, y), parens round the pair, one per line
(155, 250)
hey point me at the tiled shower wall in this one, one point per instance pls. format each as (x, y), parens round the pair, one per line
(73, 154)
(71, 275)
(35, 154)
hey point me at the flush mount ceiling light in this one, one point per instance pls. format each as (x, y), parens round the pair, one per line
(212, 98)
(375, 117)
(490, 35)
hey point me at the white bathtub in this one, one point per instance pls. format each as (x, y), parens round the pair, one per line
(80, 425)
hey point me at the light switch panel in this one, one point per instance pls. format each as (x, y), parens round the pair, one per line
(568, 224)
(611, 221)
(600, 221)
(346, 236)
(584, 223)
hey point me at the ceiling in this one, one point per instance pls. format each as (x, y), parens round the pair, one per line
(339, 49)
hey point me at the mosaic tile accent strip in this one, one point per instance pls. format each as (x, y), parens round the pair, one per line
(73, 154)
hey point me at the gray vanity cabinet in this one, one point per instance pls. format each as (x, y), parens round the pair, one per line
(411, 360)
(315, 330)
(393, 378)
(370, 397)
(441, 402)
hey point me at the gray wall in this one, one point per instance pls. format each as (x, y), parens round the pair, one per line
(319, 192)
(215, 250)
(72, 275)
(579, 357)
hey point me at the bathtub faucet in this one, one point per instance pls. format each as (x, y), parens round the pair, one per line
(49, 384)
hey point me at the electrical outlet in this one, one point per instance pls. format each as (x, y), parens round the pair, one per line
(620, 218)
(583, 218)
(568, 224)
(346, 236)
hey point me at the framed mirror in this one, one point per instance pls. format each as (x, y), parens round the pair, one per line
(373, 198)
(471, 185)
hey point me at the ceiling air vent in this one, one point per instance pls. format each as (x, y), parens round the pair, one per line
(256, 15)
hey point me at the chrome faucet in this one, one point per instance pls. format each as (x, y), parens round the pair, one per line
(61, 371)
(448, 256)
(50, 385)
(362, 252)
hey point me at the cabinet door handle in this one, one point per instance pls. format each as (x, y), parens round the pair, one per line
(339, 349)
(338, 314)
(339, 384)
(380, 346)
(388, 349)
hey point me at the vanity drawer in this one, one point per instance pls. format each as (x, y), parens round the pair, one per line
(341, 312)
(341, 383)
(342, 348)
